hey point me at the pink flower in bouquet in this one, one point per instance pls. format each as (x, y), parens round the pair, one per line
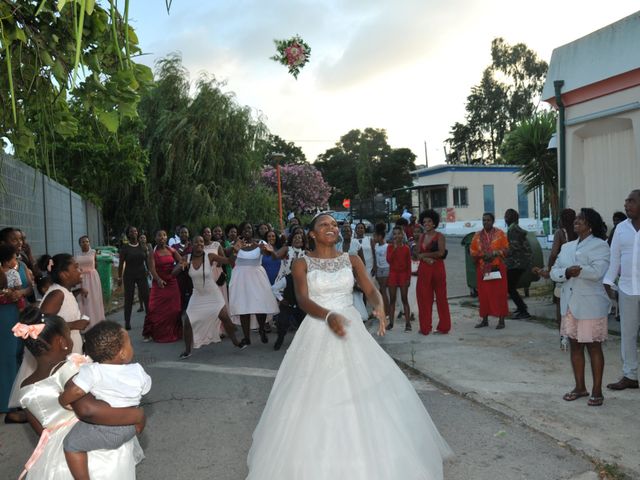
(295, 54)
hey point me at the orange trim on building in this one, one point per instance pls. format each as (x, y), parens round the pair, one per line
(604, 87)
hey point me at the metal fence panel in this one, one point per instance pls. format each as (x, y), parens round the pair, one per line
(79, 220)
(21, 202)
(58, 214)
(51, 215)
(94, 224)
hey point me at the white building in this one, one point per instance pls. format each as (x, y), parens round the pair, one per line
(596, 79)
(462, 193)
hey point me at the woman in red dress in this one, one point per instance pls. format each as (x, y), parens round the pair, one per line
(399, 259)
(432, 276)
(162, 323)
(488, 248)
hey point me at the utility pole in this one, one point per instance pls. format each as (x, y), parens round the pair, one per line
(426, 157)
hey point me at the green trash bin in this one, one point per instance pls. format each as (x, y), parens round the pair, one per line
(470, 265)
(105, 260)
(537, 260)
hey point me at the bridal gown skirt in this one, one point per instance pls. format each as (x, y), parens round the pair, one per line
(340, 408)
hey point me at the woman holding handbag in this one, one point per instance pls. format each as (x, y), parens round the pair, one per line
(488, 248)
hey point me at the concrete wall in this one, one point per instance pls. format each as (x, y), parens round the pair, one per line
(603, 151)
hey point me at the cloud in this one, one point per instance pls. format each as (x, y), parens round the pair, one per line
(392, 36)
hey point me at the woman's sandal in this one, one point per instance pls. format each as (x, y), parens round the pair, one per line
(595, 401)
(483, 323)
(184, 355)
(407, 327)
(571, 396)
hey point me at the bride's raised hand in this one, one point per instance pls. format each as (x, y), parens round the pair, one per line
(382, 320)
(336, 323)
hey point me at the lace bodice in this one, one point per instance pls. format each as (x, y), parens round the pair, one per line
(330, 281)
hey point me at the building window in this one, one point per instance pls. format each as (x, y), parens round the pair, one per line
(460, 197)
(489, 202)
(523, 202)
(439, 197)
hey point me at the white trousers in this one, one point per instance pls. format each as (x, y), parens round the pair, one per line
(629, 306)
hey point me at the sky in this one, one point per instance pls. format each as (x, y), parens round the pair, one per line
(406, 66)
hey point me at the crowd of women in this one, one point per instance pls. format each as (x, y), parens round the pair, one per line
(201, 288)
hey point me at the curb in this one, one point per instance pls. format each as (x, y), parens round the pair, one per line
(520, 420)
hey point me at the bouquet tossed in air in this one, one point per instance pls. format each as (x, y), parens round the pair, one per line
(294, 53)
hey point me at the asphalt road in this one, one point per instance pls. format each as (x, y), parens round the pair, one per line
(201, 413)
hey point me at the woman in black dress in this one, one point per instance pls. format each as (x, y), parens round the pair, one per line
(133, 261)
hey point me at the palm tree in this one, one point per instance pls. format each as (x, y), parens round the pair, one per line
(527, 145)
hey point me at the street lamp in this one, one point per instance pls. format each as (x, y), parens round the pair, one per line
(277, 156)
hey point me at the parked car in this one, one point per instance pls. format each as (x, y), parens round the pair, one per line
(341, 217)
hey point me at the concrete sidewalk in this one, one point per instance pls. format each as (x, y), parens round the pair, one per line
(521, 372)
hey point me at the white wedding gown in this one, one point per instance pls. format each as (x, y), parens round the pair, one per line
(340, 408)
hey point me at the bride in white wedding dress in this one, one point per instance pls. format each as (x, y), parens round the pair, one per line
(340, 408)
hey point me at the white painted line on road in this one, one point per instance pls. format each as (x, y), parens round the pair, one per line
(419, 385)
(203, 367)
(423, 386)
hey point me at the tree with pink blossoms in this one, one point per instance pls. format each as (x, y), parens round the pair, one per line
(303, 186)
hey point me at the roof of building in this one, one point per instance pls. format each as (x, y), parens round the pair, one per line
(425, 172)
(609, 52)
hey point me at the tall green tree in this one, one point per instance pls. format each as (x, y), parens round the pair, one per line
(203, 165)
(272, 144)
(55, 53)
(527, 145)
(106, 169)
(364, 170)
(507, 94)
(362, 164)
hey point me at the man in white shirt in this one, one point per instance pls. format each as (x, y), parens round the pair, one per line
(625, 264)
(176, 238)
(406, 214)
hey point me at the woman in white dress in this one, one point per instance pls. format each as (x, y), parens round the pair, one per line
(250, 291)
(206, 308)
(59, 300)
(47, 337)
(367, 245)
(340, 407)
(213, 244)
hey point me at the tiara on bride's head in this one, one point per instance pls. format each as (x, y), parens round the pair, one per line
(321, 213)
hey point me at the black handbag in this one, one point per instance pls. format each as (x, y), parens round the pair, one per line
(434, 248)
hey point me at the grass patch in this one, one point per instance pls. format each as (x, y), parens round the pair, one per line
(609, 471)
